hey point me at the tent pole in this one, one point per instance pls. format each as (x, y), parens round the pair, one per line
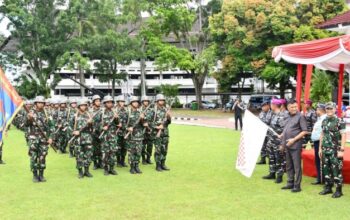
(299, 82)
(309, 69)
(340, 89)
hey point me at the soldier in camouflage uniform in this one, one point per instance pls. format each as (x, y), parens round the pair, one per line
(265, 116)
(160, 132)
(276, 156)
(72, 110)
(95, 110)
(148, 139)
(134, 136)
(108, 137)
(40, 129)
(311, 118)
(123, 118)
(61, 126)
(82, 130)
(332, 143)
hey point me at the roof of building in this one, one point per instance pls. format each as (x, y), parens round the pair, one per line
(343, 19)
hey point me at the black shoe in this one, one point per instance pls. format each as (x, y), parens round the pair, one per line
(112, 171)
(41, 176)
(287, 187)
(148, 160)
(95, 166)
(132, 169)
(2, 162)
(271, 176)
(87, 173)
(316, 183)
(159, 168)
(71, 155)
(326, 190)
(35, 176)
(262, 161)
(296, 190)
(137, 169)
(106, 173)
(163, 166)
(144, 162)
(338, 193)
(279, 179)
(122, 162)
(81, 174)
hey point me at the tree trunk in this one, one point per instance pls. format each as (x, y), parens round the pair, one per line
(143, 70)
(82, 81)
(282, 90)
(198, 87)
(113, 87)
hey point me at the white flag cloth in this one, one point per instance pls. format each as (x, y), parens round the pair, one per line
(252, 139)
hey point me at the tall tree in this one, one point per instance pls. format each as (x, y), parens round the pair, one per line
(41, 30)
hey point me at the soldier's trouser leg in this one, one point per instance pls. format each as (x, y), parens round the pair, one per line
(43, 151)
(109, 151)
(87, 155)
(337, 168)
(279, 160)
(161, 148)
(96, 152)
(134, 150)
(79, 156)
(326, 170)
(122, 149)
(34, 155)
(272, 159)
(263, 152)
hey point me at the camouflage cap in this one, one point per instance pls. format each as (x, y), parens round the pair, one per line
(73, 100)
(160, 97)
(120, 98)
(330, 105)
(107, 98)
(83, 101)
(39, 99)
(134, 99)
(94, 97)
(145, 98)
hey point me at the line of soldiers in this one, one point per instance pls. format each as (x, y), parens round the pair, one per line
(100, 133)
(332, 141)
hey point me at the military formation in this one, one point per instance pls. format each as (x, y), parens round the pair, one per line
(324, 131)
(99, 131)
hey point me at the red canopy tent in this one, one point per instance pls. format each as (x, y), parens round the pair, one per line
(331, 54)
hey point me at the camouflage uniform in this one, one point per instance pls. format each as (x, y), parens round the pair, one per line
(311, 118)
(83, 143)
(70, 121)
(266, 118)
(148, 137)
(134, 140)
(122, 146)
(61, 133)
(161, 139)
(275, 155)
(332, 128)
(37, 142)
(96, 148)
(108, 140)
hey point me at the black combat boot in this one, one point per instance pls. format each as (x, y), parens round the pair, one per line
(112, 171)
(148, 160)
(326, 190)
(132, 168)
(96, 166)
(41, 176)
(296, 189)
(159, 167)
(137, 169)
(71, 153)
(271, 176)
(262, 161)
(163, 166)
(87, 173)
(338, 193)
(81, 174)
(279, 179)
(288, 186)
(122, 162)
(35, 176)
(144, 162)
(106, 173)
(1, 161)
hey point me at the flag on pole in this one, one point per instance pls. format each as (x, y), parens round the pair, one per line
(10, 103)
(252, 140)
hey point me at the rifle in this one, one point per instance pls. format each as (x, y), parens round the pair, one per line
(109, 124)
(138, 121)
(40, 129)
(81, 130)
(164, 121)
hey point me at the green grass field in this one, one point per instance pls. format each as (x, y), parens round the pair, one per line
(214, 113)
(202, 184)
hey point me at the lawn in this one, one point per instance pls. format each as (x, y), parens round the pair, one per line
(202, 184)
(206, 113)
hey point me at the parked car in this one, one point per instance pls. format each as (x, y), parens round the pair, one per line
(205, 104)
(255, 102)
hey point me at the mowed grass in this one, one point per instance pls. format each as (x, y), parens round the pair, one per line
(202, 184)
(206, 113)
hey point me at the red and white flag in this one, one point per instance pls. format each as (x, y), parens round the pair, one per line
(252, 139)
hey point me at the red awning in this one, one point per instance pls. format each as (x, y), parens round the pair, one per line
(326, 54)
